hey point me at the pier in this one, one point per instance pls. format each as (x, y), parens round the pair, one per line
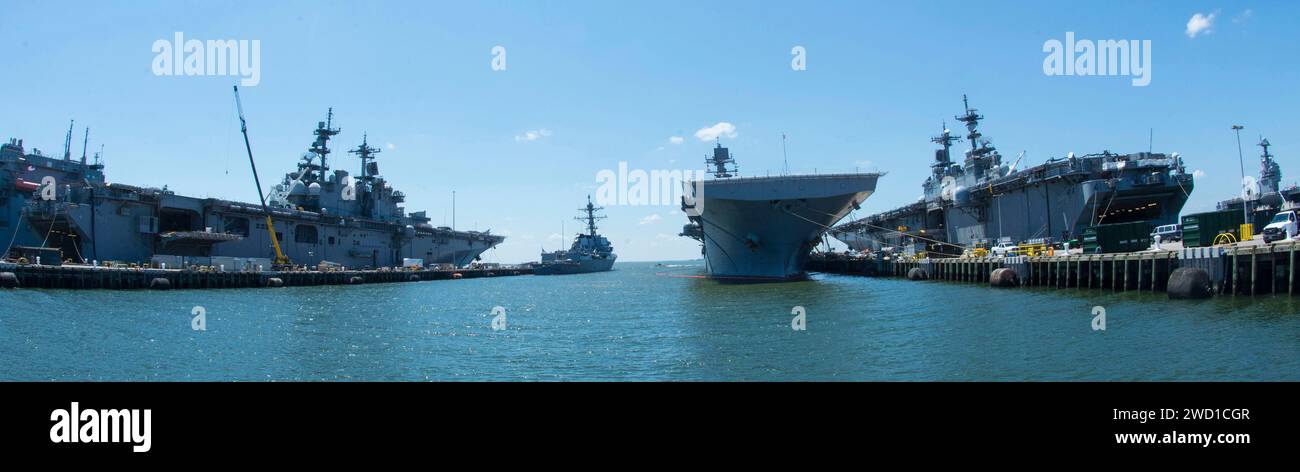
(129, 278)
(1260, 269)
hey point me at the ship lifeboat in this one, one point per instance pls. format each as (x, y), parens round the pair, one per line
(26, 186)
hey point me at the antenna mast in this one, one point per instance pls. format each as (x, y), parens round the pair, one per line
(723, 164)
(67, 142)
(84, 143)
(591, 217)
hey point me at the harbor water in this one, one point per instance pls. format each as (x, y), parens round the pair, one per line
(644, 321)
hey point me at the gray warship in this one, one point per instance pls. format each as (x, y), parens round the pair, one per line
(983, 200)
(65, 208)
(1264, 194)
(764, 228)
(590, 251)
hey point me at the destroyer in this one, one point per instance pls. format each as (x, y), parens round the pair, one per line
(763, 228)
(321, 215)
(590, 252)
(984, 200)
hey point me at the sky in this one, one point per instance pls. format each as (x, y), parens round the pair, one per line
(587, 85)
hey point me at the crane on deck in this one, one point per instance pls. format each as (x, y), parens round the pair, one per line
(281, 261)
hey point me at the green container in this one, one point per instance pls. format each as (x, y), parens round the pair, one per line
(1200, 229)
(1117, 237)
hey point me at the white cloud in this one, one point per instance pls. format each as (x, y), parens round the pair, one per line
(722, 129)
(676, 139)
(1200, 24)
(555, 237)
(1198, 173)
(650, 219)
(1244, 16)
(391, 146)
(533, 135)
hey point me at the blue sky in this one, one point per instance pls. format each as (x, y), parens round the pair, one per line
(613, 81)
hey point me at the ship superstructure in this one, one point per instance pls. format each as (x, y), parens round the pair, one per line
(1264, 194)
(982, 200)
(764, 228)
(320, 215)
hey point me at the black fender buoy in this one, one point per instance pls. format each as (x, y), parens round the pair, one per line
(917, 273)
(8, 280)
(275, 282)
(160, 283)
(414, 278)
(1004, 277)
(356, 280)
(1189, 283)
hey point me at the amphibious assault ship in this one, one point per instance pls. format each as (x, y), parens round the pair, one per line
(66, 208)
(590, 252)
(764, 228)
(983, 200)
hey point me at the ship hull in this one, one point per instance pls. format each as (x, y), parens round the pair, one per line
(574, 267)
(763, 229)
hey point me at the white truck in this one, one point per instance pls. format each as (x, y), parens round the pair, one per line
(1005, 249)
(1283, 226)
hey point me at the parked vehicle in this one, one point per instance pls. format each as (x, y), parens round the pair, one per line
(1168, 233)
(1005, 249)
(1283, 226)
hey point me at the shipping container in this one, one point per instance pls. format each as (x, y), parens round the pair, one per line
(1117, 237)
(1201, 229)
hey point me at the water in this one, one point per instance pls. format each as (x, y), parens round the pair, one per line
(643, 322)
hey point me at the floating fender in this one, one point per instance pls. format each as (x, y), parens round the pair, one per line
(8, 280)
(917, 273)
(356, 280)
(275, 282)
(160, 283)
(414, 278)
(1189, 283)
(456, 275)
(1004, 278)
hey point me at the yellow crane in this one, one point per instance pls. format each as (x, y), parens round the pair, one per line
(281, 261)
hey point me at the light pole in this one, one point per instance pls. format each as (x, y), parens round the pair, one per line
(1245, 216)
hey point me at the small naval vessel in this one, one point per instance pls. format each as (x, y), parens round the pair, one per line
(984, 200)
(764, 228)
(66, 208)
(590, 252)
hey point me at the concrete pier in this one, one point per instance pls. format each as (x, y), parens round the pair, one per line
(1264, 269)
(88, 277)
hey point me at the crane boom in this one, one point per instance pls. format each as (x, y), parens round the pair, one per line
(280, 259)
